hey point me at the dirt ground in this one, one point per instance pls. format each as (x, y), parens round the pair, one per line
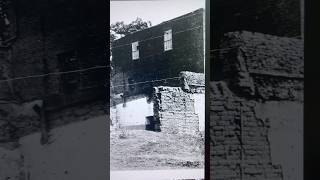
(141, 149)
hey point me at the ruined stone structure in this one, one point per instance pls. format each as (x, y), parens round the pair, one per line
(176, 109)
(240, 147)
(181, 109)
(256, 108)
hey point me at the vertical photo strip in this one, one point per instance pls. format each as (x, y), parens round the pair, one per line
(157, 89)
(256, 90)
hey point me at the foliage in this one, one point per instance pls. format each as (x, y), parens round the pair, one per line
(124, 29)
(121, 29)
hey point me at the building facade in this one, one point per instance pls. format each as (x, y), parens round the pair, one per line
(158, 52)
(166, 56)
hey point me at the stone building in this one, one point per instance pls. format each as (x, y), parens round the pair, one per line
(52, 79)
(161, 51)
(256, 107)
(166, 60)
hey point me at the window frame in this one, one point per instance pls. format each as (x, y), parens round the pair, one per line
(135, 50)
(167, 40)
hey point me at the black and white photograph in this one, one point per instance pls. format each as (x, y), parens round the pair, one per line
(157, 86)
(160, 90)
(257, 90)
(53, 71)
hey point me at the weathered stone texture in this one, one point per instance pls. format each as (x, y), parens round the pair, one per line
(192, 82)
(174, 109)
(239, 140)
(268, 54)
(266, 66)
(279, 88)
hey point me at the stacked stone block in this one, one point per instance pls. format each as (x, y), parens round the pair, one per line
(264, 66)
(174, 109)
(255, 68)
(239, 142)
(192, 82)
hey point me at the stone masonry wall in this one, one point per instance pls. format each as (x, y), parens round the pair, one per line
(239, 145)
(174, 109)
(256, 70)
(263, 66)
(192, 82)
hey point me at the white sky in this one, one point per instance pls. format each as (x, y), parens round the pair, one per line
(154, 11)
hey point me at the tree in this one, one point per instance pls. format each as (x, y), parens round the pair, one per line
(124, 29)
(120, 29)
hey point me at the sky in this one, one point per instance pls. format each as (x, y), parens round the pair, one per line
(154, 11)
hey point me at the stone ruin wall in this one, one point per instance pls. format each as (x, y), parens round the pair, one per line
(174, 109)
(263, 66)
(256, 69)
(174, 104)
(239, 145)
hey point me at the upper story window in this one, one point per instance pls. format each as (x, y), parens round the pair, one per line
(135, 50)
(168, 40)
